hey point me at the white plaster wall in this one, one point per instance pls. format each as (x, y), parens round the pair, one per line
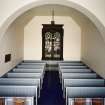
(93, 48)
(33, 37)
(12, 43)
(94, 9)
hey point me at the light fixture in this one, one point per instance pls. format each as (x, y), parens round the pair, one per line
(52, 21)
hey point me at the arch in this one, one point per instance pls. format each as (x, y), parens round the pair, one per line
(67, 3)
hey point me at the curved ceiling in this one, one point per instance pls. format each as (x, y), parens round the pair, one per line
(46, 10)
(34, 3)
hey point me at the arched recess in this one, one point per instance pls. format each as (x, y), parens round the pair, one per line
(36, 3)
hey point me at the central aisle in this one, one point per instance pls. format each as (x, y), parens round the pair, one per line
(51, 93)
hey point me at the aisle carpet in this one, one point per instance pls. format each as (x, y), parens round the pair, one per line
(51, 93)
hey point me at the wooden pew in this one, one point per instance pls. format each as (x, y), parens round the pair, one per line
(71, 64)
(84, 92)
(31, 66)
(73, 67)
(19, 101)
(82, 82)
(2, 101)
(25, 75)
(19, 70)
(86, 101)
(18, 91)
(32, 63)
(75, 70)
(21, 81)
(78, 76)
(28, 70)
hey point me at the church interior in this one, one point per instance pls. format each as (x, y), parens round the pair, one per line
(52, 52)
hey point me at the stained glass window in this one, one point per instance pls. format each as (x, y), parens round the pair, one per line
(52, 45)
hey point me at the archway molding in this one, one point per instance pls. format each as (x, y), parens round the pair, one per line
(36, 3)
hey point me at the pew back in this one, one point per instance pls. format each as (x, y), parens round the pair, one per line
(18, 91)
(75, 70)
(85, 92)
(31, 66)
(71, 64)
(83, 82)
(73, 67)
(79, 75)
(24, 75)
(28, 70)
(20, 81)
(32, 63)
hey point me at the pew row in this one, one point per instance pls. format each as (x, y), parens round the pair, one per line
(84, 92)
(28, 70)
(78, 76)
(73, 67)
(82, 82)
(71, 64)
(70, 61)
(20, 70)
(25, 75)
(19, 91)
(21, 81)
(32, 63)
(31, 66)
(75, 70)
